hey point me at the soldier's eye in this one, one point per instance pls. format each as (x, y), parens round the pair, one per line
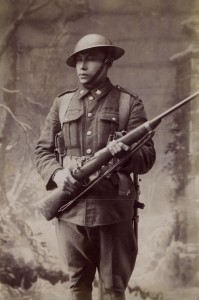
(78, 58)
(91, 58)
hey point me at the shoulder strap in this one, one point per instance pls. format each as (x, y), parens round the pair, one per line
(64, 106)
(124, 110)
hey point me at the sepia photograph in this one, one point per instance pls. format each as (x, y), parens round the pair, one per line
(99, 150)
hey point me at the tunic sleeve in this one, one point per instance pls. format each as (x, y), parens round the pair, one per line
(143, 159)
(44, 152)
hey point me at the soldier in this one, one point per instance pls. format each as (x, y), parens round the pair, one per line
(97, 233)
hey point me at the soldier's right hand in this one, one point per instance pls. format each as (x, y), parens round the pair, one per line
(65, 181)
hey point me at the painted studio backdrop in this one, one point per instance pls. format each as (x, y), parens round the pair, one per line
(161, 65)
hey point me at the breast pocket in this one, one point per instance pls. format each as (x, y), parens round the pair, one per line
(72, 129)
(108, 123)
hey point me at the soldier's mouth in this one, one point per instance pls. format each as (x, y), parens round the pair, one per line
(83, 75)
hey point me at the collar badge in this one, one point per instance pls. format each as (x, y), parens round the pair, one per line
(98, 92)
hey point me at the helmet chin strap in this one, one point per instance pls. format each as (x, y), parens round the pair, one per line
(92, 81)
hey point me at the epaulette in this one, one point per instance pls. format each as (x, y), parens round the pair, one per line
(135, 96)
(67, 92)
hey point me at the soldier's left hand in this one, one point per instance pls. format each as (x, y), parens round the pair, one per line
(117, 148)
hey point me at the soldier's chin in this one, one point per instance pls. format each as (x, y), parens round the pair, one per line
(83, 80)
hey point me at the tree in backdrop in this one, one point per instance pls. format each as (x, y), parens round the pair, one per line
(23, 257)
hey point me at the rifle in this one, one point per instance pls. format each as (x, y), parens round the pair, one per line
(56, 201)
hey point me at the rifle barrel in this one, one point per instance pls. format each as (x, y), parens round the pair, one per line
(137, 133)
(170, 110)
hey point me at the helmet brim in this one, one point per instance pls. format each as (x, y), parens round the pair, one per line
(116, 53)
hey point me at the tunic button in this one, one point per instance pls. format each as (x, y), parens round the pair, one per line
(88, 151)
(90, 98)
(89, 132)
(113, 118)
(90, 115)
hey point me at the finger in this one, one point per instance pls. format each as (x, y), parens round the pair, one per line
(119, 146)
(71, 186)
(111, 150)
(68, 183)
(68, 176)
(73, 183)
(72, 180)
(124, 146)
(116, 148)
(67, 192)
(67, 188)
(112, 145)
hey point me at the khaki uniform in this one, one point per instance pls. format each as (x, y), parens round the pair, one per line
(90, 118)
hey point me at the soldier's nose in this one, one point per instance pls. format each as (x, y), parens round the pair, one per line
(83, 65)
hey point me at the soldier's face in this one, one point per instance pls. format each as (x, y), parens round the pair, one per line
(88, 64)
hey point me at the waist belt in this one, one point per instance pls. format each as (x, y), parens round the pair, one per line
(74, 161)
(118, 178)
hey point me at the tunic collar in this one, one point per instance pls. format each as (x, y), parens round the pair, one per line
(96, 93)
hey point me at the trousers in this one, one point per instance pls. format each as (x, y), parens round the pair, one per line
(110, 249)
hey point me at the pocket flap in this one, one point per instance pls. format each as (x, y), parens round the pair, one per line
(72, 116)
(109, 117)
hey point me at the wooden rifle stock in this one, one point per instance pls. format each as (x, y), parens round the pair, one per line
(52, 202)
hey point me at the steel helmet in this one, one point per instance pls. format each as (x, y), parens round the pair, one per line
(90, 41)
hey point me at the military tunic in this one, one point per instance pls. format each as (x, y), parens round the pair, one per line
(90, 118)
